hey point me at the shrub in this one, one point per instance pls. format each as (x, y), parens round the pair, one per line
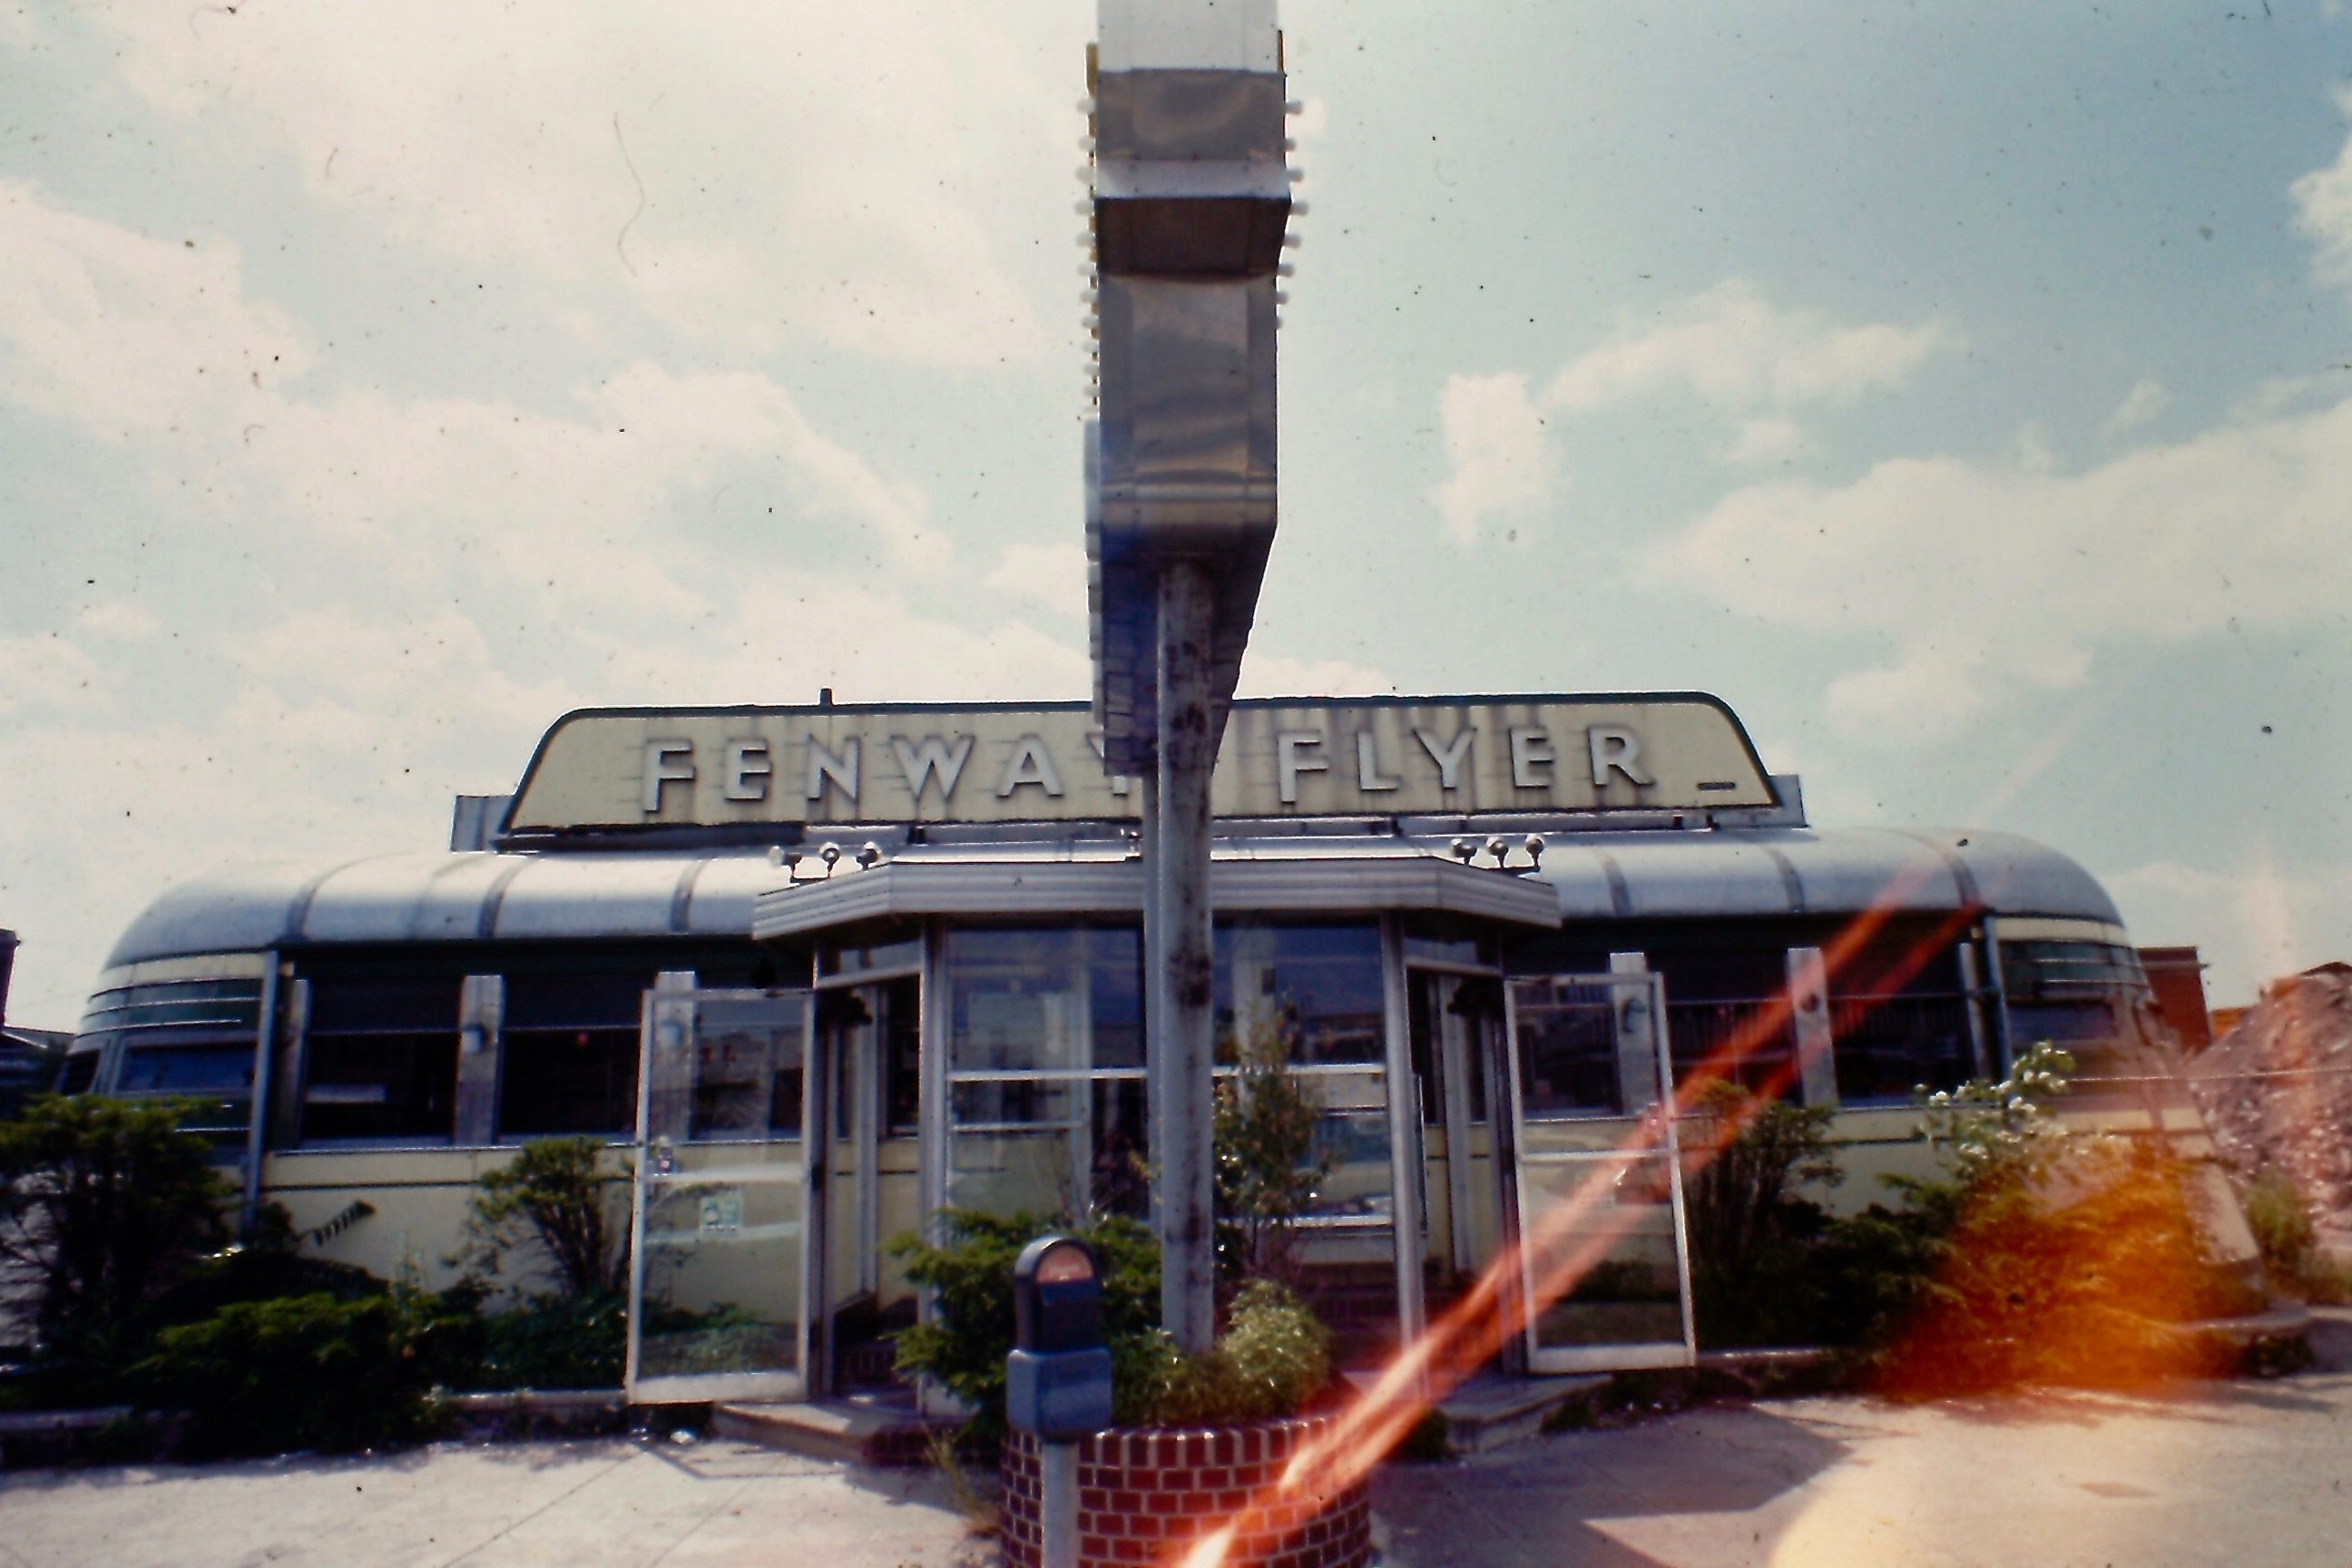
(2280, 1217)
(965, 1345)
(2048, 1256)
(300, 1372)
(1268, 1168)
(556, 1341)
(556, 1194)
(104, 1206)
(1754, 1277)
(1272, 1360)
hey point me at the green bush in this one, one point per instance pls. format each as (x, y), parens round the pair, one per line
(556, 1341)
(963, 1347)
(297, 1372)
(1754, 1276)
(2048, 1256)
(556, 1196)
(104, 1206)
(1272, 1360)
(2042, 1255)
(2281, 1219)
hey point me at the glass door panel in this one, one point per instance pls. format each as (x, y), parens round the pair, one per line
(1604, 1244)
(720, 1228)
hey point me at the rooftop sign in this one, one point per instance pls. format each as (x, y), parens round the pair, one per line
(631, 767)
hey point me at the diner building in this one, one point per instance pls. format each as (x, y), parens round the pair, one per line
(820, 973)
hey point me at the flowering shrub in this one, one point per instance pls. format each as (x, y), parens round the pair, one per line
(2051, 1255)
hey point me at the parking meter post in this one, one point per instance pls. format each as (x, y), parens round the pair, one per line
(1057, 1505)
(1057, 1379)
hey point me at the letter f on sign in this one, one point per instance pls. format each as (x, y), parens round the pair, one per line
(667, 762)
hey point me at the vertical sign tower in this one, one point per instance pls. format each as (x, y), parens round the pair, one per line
(1190, 204)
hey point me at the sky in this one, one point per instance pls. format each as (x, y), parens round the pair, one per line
(1963, 392)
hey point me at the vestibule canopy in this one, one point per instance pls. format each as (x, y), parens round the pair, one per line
(1378, 881)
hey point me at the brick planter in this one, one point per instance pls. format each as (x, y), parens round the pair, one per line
(1144, 1494)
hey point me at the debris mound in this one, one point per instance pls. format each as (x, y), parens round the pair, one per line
(2276, 1090)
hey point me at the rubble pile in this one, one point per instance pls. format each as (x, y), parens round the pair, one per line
(2277, 1089)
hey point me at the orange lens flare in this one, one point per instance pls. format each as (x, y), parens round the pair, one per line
(1499, 1307)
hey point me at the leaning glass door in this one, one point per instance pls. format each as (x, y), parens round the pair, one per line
(720, 1240)
(1604, 1254)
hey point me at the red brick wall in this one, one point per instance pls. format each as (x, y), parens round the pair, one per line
(1144, 1495)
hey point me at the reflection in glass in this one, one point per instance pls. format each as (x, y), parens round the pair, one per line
(1600, 1247)
(1319, 985)
(722, 1269)
(1567, 1047)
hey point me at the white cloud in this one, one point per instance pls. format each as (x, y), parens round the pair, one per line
(2276, 395)
(1767, 438)
(129, 334)
(1734, 349)
(866, 642)
(2252, 925)
(1267, 674)
(2323, 207)
(1053, 576)
(1991, 580)
(2146, 400)
(1729, 348)
(1500, 462)
(445, 576)
(48, 672)
(823, 173)
(120, 620)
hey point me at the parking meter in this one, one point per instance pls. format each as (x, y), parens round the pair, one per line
(1057, 1379)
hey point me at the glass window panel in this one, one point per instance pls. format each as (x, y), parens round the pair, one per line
(1045, 1102)
(748, 1066)
(568, 1080)
(188, 1070)
(1358, 1188)
(382, 1086)
(81, 1071)
(722, 1269)
(1599, 1236)
(1122, 1137)
(340, 1005)
(1892, 967)
(1465, 951)
(1032, 1000)
(576, 1001)
(1320, 986)
(1887, 1046)
(1752, 1044)
(1016, 1171)
(902, 1051)
(1567, 1048)
(903, 952)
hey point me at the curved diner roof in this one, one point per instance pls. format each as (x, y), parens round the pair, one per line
(605, 895)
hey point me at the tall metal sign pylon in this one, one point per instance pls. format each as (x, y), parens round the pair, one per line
(1189, 211)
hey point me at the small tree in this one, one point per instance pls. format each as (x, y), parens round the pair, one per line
(1267, 1166)
(554, 1192)
(105, 1204)
(1749, 1226)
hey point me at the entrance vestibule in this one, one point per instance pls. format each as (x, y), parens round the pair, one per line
(978, 1063)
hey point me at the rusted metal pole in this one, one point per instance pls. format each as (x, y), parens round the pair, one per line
(1186, 1017)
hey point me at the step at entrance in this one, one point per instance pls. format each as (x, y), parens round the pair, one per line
(882, 1428)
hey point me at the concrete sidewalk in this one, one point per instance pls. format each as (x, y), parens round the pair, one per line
(2207, 1475)
(2240, 1475)
(600, 1503)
